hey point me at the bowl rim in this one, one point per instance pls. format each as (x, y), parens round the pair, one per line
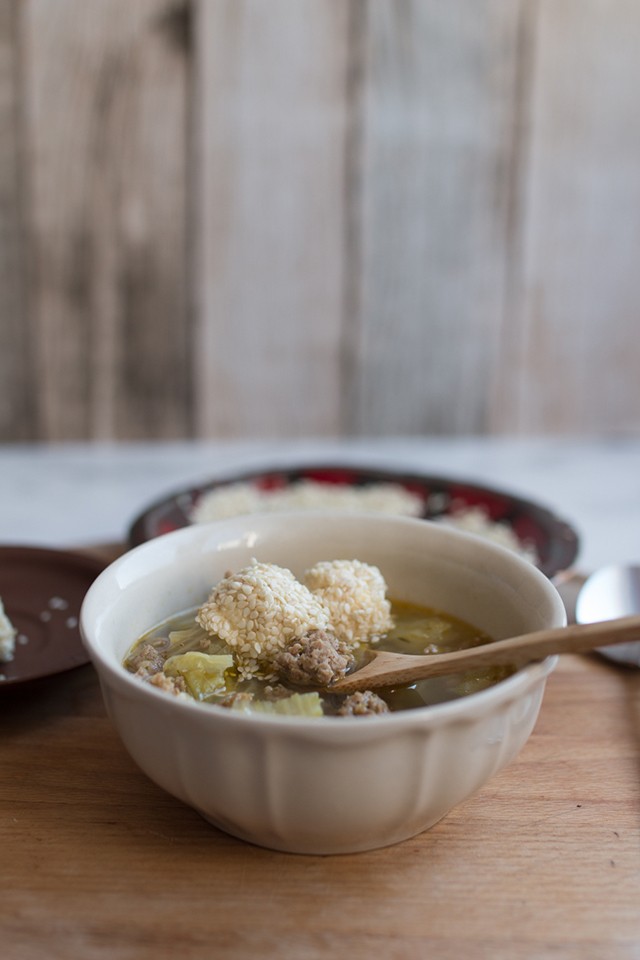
(468, 707)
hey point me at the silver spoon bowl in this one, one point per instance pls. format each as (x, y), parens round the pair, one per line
(608, 594)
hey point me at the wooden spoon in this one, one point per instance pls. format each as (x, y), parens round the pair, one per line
(393, 669)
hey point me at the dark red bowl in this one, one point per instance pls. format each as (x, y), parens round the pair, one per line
(554, 541)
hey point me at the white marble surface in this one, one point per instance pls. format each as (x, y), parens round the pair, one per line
(80, 493)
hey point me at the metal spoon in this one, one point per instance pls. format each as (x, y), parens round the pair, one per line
(390, 669)
(610, 593)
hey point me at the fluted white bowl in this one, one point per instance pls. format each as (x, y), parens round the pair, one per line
(333, 784)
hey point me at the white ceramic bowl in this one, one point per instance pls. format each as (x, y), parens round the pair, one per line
(332, 784)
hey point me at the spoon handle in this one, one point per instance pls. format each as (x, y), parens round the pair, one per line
(391, 669)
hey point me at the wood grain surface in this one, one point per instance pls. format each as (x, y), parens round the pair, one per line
(271, 135)
(17, 373)
(544, 862)
(312, 218)
(105, 108)
(439, 122)
(568, 345)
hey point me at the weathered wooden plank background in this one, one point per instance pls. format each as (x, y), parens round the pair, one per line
(230, 218)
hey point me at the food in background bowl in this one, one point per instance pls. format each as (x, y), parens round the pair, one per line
(245, 497)
(527, 528)
(321, 785)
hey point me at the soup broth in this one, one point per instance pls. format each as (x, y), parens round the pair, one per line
(416, 630)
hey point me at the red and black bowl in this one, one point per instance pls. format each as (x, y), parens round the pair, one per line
(553, 540)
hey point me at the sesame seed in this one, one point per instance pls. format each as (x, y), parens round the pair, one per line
(258, 610)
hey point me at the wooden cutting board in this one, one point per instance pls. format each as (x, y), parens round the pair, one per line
(97, 862)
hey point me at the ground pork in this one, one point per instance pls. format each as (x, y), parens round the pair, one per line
(363, 703)
(173, 685)
(275, 691)
(257, 611)
(147, 660)
(315, 660)
(234, 699)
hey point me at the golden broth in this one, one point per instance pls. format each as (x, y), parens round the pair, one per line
(416, 630)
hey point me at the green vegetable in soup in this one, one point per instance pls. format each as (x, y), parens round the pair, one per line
(203, 673)
(426, 632)
(297, 705)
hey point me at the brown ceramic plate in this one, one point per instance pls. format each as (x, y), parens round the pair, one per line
(42, 591)
(555, 542)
